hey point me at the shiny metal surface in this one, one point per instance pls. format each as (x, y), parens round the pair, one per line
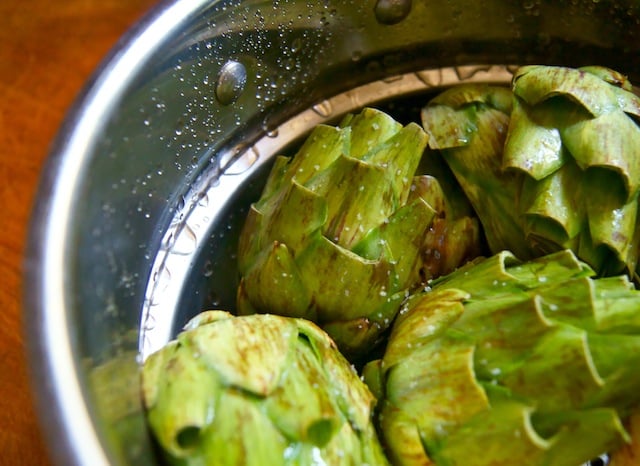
(149, 138)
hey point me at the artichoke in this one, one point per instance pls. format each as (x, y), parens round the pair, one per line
(506, 362)
(339, 234)
(551, 165)
(257, 390)
(573, 133)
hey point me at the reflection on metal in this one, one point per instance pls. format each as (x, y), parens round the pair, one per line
(231, 82)
(392, 11)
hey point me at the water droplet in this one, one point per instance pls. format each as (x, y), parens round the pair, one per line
(208, 268)
(270, 130)
(324, 108)
(296, 45)
(231, 82)
(392, 11)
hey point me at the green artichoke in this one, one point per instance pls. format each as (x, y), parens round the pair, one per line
(506, 362)
(257, 390)
(339, 234)
(551, 165)
(573, 133)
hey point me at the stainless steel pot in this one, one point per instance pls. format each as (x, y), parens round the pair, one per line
(135, 223)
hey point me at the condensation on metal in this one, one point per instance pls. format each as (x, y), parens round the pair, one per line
(192, 223)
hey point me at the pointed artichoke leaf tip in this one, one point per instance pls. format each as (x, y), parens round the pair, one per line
(319, 150)
(369, 129)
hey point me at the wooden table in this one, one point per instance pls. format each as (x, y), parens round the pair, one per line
(47, 51)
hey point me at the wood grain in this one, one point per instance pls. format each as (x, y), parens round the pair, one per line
(47, 52)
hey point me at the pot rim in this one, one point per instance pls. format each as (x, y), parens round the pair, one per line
(60, 398)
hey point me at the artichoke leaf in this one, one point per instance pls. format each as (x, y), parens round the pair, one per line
(403, 438)
(444, 382)
(345, 187)
(537, 83)
(454, 237)
(400, 157)
(494, 270)
(597, 256)
(497, 97)
(382, 183)
(438, 186)
(368, 129)
(299, 411)
(612, 219)
(344, 284)
(354, 399)
(572, 301)
(503, 274)
(322, 148)
(616, 357)
(372, 375)
(564, 349)
(358, 336)
(264, 341)
(615, 306)
(497, 353)
(240, 435)
(447, 127)
(610, 76)
(579, 434)
(250, 246)
(483, 439)
(176, 411)
(301, 214)
(449, 243)
(275, 185)
(275, 284)
(561, 265)
(533, 145)
(611, 141)
(399, 240)
(554, 200)
(431, 314)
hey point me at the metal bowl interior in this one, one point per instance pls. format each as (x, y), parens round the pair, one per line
(134, 226)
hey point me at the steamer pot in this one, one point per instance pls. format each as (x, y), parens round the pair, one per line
(135, 224)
